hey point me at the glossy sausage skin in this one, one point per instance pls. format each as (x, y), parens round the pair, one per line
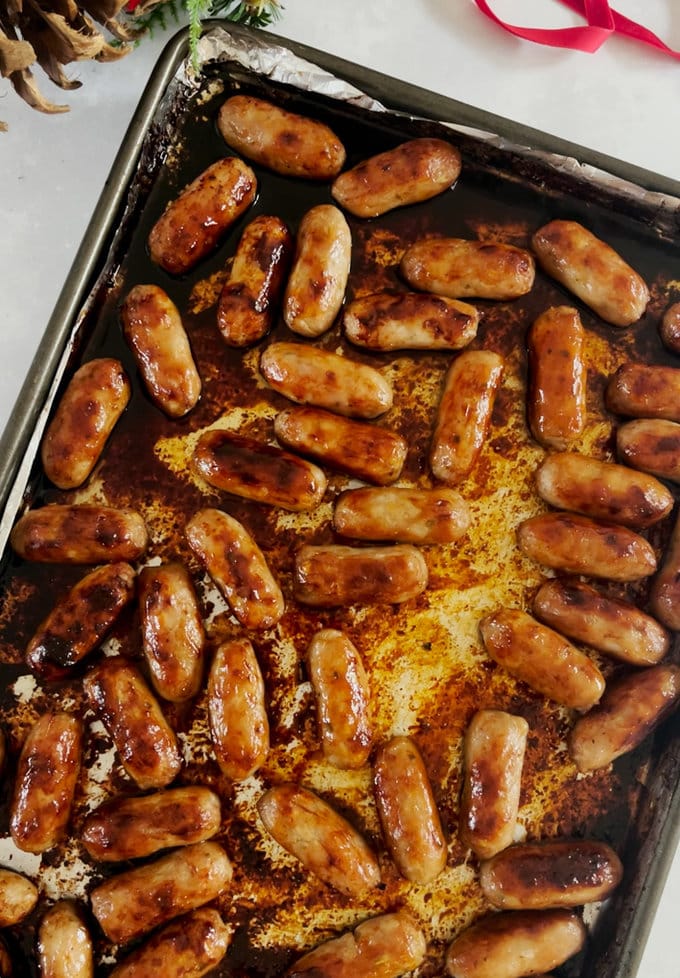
(414, 171)
(65, 947)
(580, 545)
(359, 448)
(493, 758)
(642, 390)
(255, 470)
(542, 658)
(318, 278)
(193, 224)
(342, 697)
(402, 515)
(46, 780)
(409, 321)
(592, 270)
(145, 742)
(461, 269)
(664, 595)
(556, 398)
(79, 534)
(464, 414)
(127, 827)
(669, 329)
(609, 625)
(284, 141)
(310, 375)
(94, 400)
(237, 566)
(18, 897)
(249, 299)
(630, 709)
(80, 619)
(239, 727)
(153, 329)
(136, 901)
(189, 947)
(408, 812)
(335, 575)
(651, 445)
(324, 842)
(173, 638)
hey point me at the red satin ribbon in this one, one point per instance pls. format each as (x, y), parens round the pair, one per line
(602, 22)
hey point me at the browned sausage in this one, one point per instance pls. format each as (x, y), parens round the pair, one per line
(652, 445)
(335, 575)
(556, 398)
(403, 515)
(188, 947)
(664, 595)
(463, 269)
(239, 727)
(642, 390)
(409, 321)
(18, 897)
(65, 947)
(79, 534)
(669, 329)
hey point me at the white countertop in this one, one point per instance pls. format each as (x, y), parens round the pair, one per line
(621, 101)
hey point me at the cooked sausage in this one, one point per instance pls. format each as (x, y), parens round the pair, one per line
(284, 141)
(335, 575)
(342, 697)
(18, 897)
(516, 943)
(358, 448)
(153, 329)
(324, 842)
(464, 414)
(669, 329)
(6, 967)
(463, 269)
(664, 595)
(401, 514)
(255, 470)
(651, 445)
(173, 638)
(408, 812)
(592, 270)
(239, 727)
(630, 709)
(65, 948)
(80, 619)
(542, 658)
(188, 947)
(237, 566)
(132, 903)
(579, 545)
(642, 390)
(603, 490)
(556, 397)
(610, 625)
(193, 224)
(414, 171)
(318, 279)
(380, 947)
(126, 827)
(493, 758)
(46, 780)
(249, 299)
(551, 873)
(145, 742)
(79, 534)
(409, 321)
(87, 413)
(309, 375)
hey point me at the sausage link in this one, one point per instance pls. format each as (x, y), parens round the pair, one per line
(188, 947)
(463, 269)
(79, 534)
(416, 170)
(358, 448)
(310, 375)
(145, 742)
(402, 515)
(556, 398)
(65, 948)
(630, 709)
(669, 328)
(193, 224)
(641, 390)
(6, 966)
(87, 413)
(664, 595)
(239, 727)
(18, 897)
(542, 658)
(464, 414)
(129, 905)
(324, 842)
(248, 302)
(493, 758)
(409, 321)
(237, 566)
(153, 329)
(46, 780)
(592, 270)
(335, 575)
(343, 699)
(651, 445)
(318, 279)
(408, 812)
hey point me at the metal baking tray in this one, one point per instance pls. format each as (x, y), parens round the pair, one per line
(428, 670)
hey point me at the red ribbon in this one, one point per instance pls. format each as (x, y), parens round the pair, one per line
(602, 22)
